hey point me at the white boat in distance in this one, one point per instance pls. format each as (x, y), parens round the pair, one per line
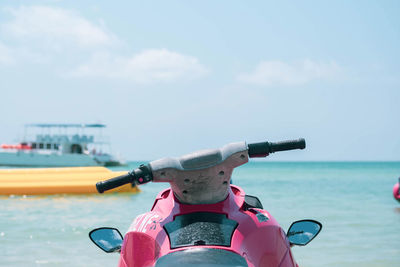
(56, 146)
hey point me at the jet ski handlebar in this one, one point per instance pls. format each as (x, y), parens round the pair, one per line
(263, 149)
(199, 163)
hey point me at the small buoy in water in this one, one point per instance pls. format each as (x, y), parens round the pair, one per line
(396, 191)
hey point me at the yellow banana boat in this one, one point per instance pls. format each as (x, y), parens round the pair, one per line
(44, 181)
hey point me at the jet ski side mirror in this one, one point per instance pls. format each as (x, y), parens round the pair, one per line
(108, 239)
(301, 232)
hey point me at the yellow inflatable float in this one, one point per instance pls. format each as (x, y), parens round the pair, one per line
(72, 180)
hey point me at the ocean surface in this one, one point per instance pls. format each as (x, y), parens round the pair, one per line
(353, 201)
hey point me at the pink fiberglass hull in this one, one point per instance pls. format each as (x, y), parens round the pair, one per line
(396, 192)
(259, 242)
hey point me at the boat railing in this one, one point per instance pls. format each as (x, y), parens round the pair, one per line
(68, 139)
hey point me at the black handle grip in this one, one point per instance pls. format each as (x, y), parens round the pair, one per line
(141, 175)
(288, 145)
(263, 149)
(115, 182)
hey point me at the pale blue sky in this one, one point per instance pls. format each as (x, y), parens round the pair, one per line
(170, 77)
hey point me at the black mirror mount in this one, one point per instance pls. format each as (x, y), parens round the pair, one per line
(301, 232)
(107, 238)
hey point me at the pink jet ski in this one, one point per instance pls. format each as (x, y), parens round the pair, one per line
(203, 220)
(396, 191)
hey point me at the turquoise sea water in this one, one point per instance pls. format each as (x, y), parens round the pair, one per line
(353, 201)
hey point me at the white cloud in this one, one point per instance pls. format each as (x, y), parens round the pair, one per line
(276, 73)
(54, 27)
(149, 66)
(6, 55)
(63, 40)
